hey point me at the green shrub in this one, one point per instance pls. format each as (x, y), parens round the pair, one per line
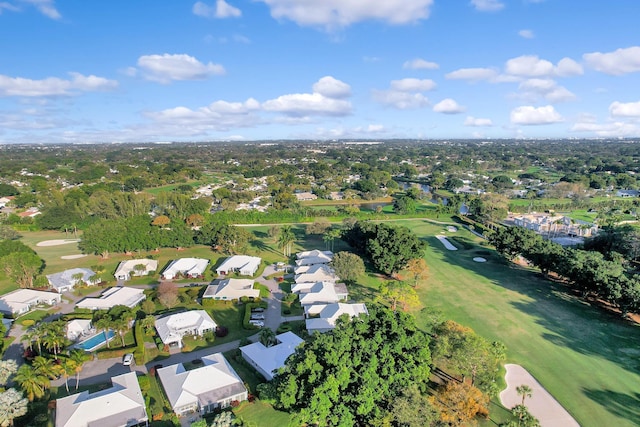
(28, 322)
(144, 382)
(247, 313)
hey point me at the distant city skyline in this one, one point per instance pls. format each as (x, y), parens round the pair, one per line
(128, 71)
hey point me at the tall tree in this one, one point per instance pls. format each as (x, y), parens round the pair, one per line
(400, 294)
(460, 403)
(525, 391)
(348, 266)
(33, 383)
(286, 239)
(22, 267)
(418, 269)
(168, 294)
(351, 375)
(44, 366)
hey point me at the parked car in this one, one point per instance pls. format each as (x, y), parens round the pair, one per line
(128, 359)
(258, 323)
(257, 310)
(257, 316)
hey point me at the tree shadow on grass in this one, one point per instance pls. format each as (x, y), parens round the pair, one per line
(261, 246)
(260, 234)
(619, 404)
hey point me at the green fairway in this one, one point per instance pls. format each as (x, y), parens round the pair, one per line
(586, 358)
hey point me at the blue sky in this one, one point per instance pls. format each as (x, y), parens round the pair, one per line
(175, 70)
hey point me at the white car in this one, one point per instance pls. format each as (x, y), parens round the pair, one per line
(258, 323)
(257, 316)
(128, 359)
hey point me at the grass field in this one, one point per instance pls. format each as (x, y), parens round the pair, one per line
(585, 357)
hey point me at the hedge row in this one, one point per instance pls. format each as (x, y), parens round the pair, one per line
(139, 354)
(247, 313)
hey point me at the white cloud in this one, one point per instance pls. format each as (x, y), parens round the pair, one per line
(400, 100)
(332, 88)
(546, 88)
(628, 109)
(420, 64)
(333, 14)
(607, 130)
(46, 7)
(54, 86)
(7, 6)
(529, 115)
(165, 68)
(487, 5)
(472, 74)
(532, 66)
(413, 85)
(477, 122)
(448, 106)
(526, 34)
(222, 9)
(529, 66)
(218, 116)
(567, 67)
(307, 104)
(618, 62)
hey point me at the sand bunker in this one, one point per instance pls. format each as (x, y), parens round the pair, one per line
(57, 242)
(73, 256)
(541, 405)
(480, 259)
(447, 244)
(452, 229)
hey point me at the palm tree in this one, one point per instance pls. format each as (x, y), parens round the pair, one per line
(148, 323)
(43, 366)
(67, 367)
(104, 324)
(32, 383)
(267, 337)
(524, 391)
(121, 325)
(28, 337)
(78, 357)
(286, 239)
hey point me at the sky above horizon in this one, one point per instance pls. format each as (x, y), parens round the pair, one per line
(137, 71)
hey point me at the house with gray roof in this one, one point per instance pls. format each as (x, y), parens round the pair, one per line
(66, 280)
(121, 405)
(213, 385)
(135, 267)
(231, 289)
(267, 360)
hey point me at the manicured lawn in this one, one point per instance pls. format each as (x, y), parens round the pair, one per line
(259, 414)
(585, 357)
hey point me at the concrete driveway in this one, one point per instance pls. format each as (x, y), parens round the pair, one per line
(100, 371)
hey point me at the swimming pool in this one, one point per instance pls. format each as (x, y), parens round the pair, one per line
(95, 341)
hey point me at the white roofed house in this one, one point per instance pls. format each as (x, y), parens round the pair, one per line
(315, 273)
(189, 267)
(320, 292)
(117, 295)
(135, 267)
(20, 301)
(66, 280)
(231, 289)
(172, 328)
(323, 317)
(121, 405)
(213, 385)
(77, 328)
(314, 257)
(267, 360)
(244, 265)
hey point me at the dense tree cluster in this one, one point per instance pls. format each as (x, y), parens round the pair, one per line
(352, 375)
(388, 247)
(591, 272)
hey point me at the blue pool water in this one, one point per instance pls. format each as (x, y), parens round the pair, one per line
(95, 341)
